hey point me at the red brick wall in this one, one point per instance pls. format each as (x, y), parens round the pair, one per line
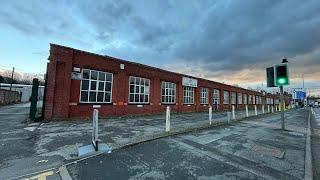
(62, 96)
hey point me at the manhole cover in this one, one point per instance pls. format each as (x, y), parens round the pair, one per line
(267, 150)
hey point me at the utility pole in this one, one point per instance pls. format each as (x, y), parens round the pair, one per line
(11, 78)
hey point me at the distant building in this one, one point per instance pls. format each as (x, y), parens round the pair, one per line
(78, 80)
(24, 90)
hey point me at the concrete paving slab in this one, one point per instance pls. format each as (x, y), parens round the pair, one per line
(89, 150)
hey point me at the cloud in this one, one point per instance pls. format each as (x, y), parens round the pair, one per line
(230, 41)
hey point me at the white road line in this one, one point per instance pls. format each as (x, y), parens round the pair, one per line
(308, 160)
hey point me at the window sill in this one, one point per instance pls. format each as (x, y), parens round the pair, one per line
(95, 103)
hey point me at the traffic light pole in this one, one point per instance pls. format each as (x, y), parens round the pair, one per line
(282, 107)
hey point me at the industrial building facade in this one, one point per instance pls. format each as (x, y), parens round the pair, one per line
(78, 81)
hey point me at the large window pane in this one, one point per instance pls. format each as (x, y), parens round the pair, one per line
(138, 89)
(85, 85)
(100, 96)
(188, 95)
(93, 97)
(107, 97)
(108, 86)
(84, 96)
(94, 86)
(101, 86)
(102, 76)
(94, 75)
(85, 74)
(168, 92)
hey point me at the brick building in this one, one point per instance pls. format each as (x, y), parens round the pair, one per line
(77, 80)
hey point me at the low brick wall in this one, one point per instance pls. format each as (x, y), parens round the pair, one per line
(9, 97)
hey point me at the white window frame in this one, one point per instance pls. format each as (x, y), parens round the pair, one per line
(239, 98)
(226, 101)
(250, 99)
(97, 91)
(253, 99)
(145, 93)
(245, 98)
(169, 90)
(257, 99)
(260, 100)
(216, 96)
(188, 95)
(233, 98)
(204, 96)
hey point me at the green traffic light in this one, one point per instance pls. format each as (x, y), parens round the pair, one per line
(282, 81)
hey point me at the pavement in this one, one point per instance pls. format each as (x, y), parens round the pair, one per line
(251, 149)
(30, 150)
(315, 142)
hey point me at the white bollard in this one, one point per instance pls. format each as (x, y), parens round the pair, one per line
(262, 109)
(255, 110)
(233, 112)
(247, 112)
(168, 119)
(272, 110)
(210, 115)
(268, 108)
(229, 117)
(95, 135)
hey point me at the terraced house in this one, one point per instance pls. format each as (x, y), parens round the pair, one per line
(78, 80)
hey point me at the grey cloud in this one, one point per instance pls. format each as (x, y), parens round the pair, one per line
(215, 37)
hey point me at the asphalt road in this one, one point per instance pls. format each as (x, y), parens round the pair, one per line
(255, 149)
(18, 157)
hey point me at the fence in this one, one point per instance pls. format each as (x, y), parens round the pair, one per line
(9, 97)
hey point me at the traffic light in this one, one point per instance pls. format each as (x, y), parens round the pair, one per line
(270, 77)
(281, 75)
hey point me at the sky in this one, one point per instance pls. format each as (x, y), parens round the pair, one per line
(228, 41)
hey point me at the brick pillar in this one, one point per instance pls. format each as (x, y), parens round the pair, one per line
(50, 86)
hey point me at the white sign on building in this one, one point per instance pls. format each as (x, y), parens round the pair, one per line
(189, 82)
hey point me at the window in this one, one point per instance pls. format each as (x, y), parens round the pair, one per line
(272, 101)
(204, 96)
(168, 92)
(245, 99)
(216, 96)
(257, 99)
(239, 98)
(253, 99)
(260, 100)
(233, 97)
(138, 90)
(226, 97)
(188, 95)
(250, 99)
(96, 86)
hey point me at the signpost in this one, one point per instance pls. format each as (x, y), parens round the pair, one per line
(278, 76)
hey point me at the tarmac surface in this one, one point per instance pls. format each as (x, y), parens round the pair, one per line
(32, 150)
(29, 149)
(251, 149)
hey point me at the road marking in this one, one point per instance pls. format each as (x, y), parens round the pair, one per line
(42, 176)
(308, 160)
